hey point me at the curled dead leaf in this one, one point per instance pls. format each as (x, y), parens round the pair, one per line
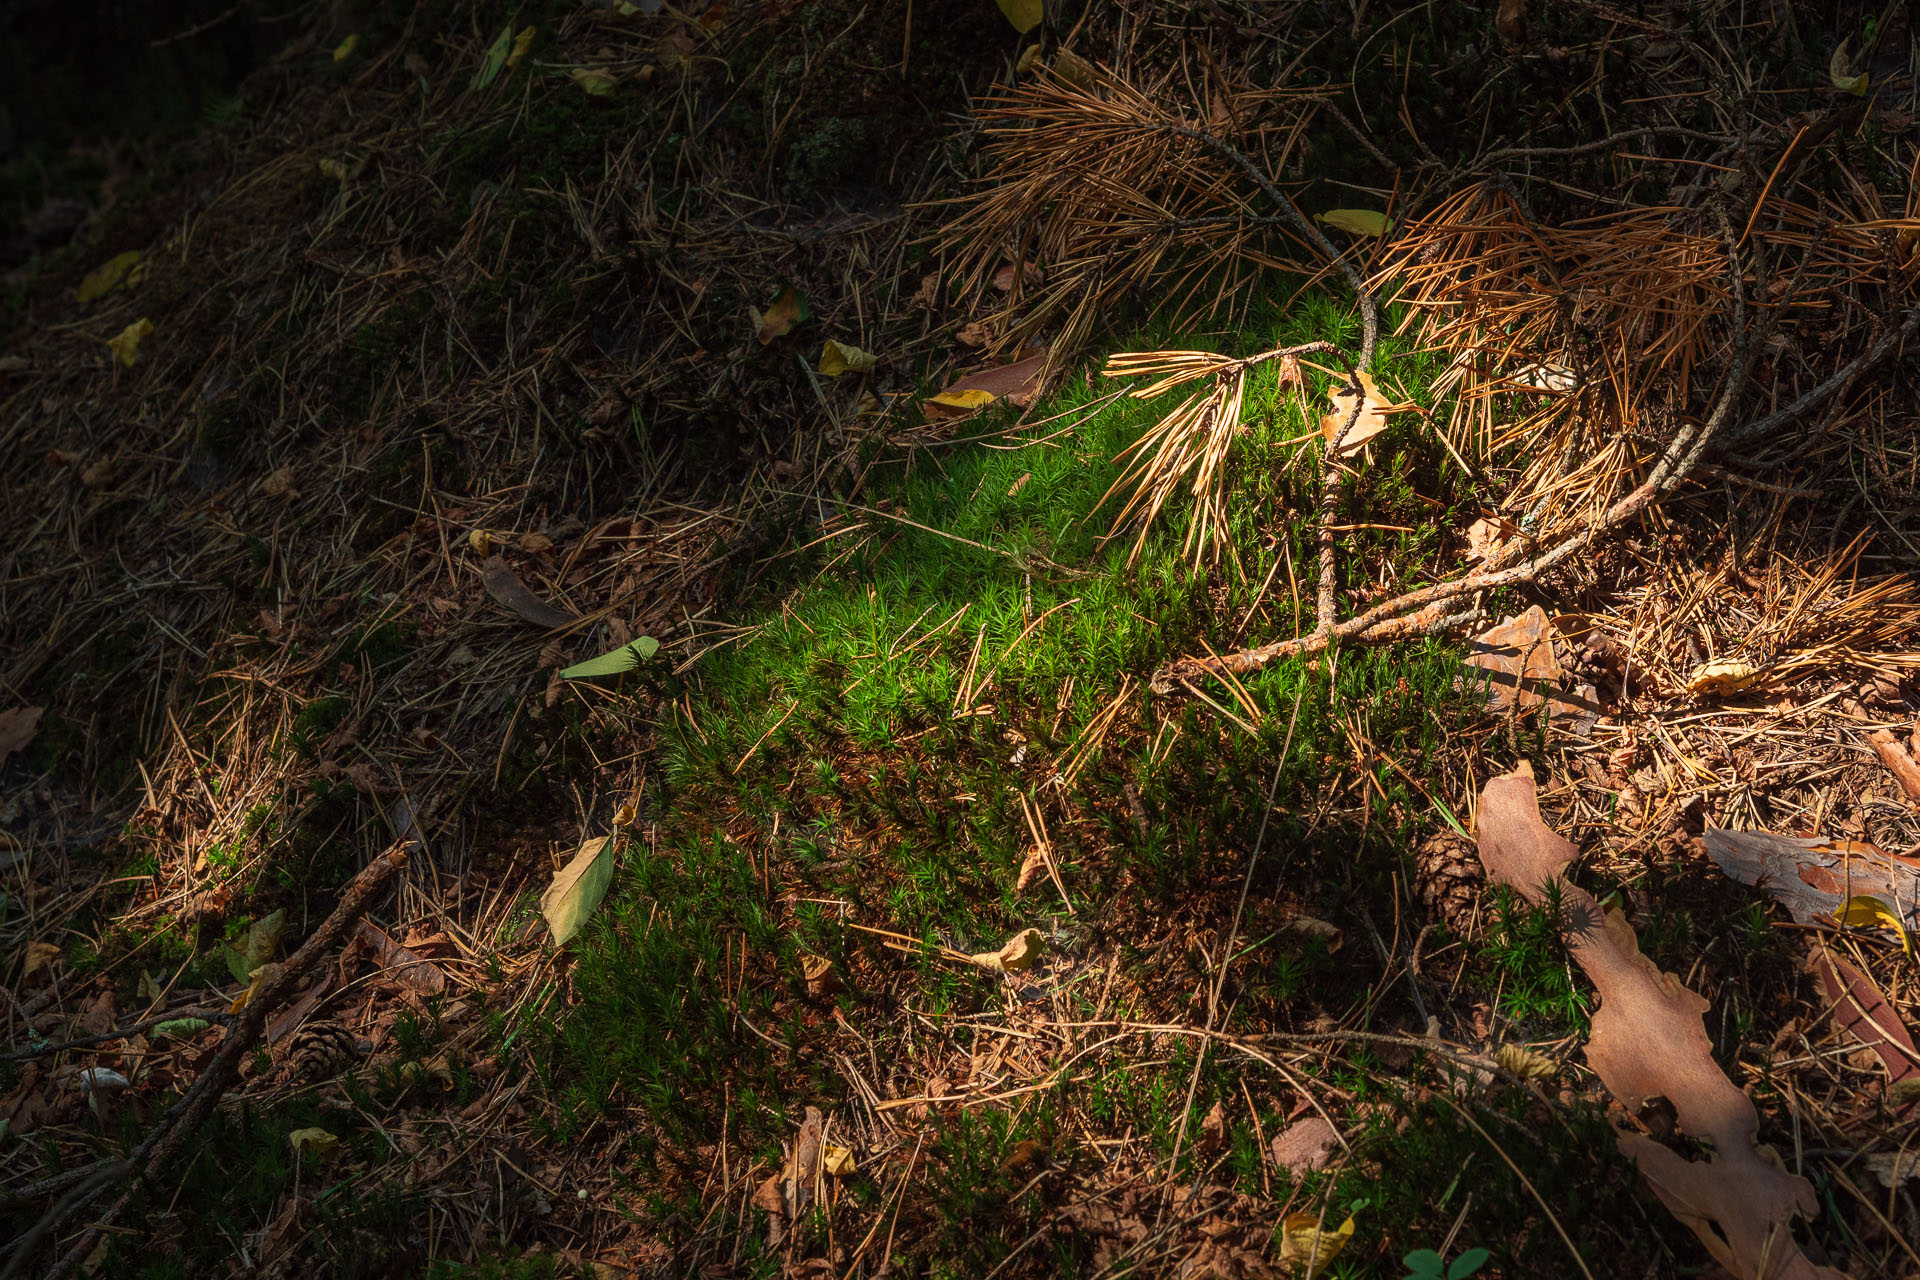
(1022, 951)
(505, 587)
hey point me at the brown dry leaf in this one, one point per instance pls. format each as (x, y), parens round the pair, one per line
(1305, 1145)
(795, 1183)
(1018, 382)
(1862, 1010)
(1032, 867)
(786, 311)
(506, 588)
(27, 1107)
(1511, 22)
(1022, 951)
(1487, 535)
(1649, 1039)
(1026, 273)
(1518, 658)
(819, 975)
(1894, 754)
(1313, 927)
(1371, 422)
(17, 728)
(422, 976)
(1814, 877)
(1213, 1131)
(39, 955)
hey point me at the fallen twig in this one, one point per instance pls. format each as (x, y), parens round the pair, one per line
(159, 1147)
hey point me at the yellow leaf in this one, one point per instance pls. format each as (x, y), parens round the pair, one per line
(1864, 911)
(1304, 1243)
(317, 1139)
(1840, 71)
(578, 888)
(972, 398)
(837, 358)
(1022, 951)
(786, 311)
(1723, 675)
(1525, 1063)
(331, 168)
(1025, 15)
(345, 48)
(597, 81)
(521, 43)
(1027, 60)
(126, 344)
(837, 1161)
(1358, 222)
(108, 276)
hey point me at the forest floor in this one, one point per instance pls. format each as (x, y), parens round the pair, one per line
(915, 890)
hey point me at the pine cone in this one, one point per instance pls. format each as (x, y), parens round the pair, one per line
(318, 1051)
(1447, 876)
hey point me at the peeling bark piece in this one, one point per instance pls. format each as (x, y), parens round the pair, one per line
(1894, 755)
(1813, 877)
(1649, 1040)
(505, 586)
(1863, 1011)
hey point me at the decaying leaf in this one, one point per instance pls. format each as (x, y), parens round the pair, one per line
(1525, 1063)
(521, 43)
(38, 955)
(1018, 382)
(1649, 1039)
(1025, 273)
(1899, 761)
(1864, 911)
(423, 976)
(837, 358)
(1517, 657)
(787, 310)
(1813, 877)
(787, 1193)
(505, 586)
(1022, 951)
(1305, 1145)
(614, 661)
(317, 1140)
(1313, 927)
(1305, 1243)
(1860, 1008)
(1723, 676)
(1840, 71)
(125, 345)
(263, 939)
(1025, 15)
(578, 888)
(1357, 222)
(597, 81)
(17, 727)
(1032, 867)
(120, 269)
(838, 1162)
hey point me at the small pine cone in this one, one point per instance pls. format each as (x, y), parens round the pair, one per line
(1447, 876)
(319, 1051)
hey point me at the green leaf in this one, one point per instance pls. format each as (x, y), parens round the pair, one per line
(1468, 1263)
(496, 59)
(577, 890)
(181, 1028)
(263, 938)
(613, 662)
(1025, 15)
(1358, 222)
(1425, 1262)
